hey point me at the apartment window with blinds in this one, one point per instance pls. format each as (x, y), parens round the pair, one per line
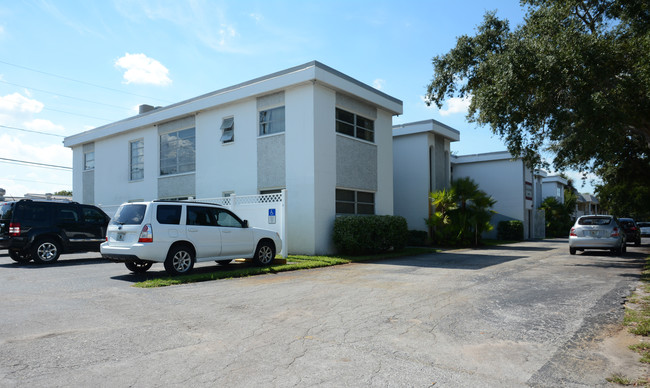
(272, 121)
(352, 124)
(354, 202)
(136, 150)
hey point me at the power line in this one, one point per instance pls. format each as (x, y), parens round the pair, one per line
(16, 103)
(63, 95)
(35, 164)
(82, 82)
(32, 131)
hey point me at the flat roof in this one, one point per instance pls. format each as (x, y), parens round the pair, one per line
(431, 126)
(313, 71)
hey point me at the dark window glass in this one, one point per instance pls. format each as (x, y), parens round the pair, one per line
(201, 216)
(169, 214)
(6, 211)
(93, 216)
(130, 214)
(354, 202)
(351, 124)
(345, 195)
(344, 208)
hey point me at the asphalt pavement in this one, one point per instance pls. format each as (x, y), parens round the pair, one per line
(526, 314)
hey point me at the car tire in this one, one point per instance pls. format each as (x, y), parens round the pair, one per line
(637, 243)
(138, 267)
(19, 257)
(264, 254)
(572, 251)
(180, 260)
(46, 251)
(223, 262)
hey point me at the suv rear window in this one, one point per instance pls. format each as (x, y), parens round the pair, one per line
(6, 210)
(129, 214)
(594, 221)
(169, 214)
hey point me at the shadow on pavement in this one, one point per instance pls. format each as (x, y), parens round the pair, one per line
(157, 271)
(451, 260)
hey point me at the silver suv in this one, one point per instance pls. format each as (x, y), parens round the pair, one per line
(180, 233)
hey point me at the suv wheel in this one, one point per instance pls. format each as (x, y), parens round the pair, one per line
(46, 251)
(264, 254)
(138, 267)
(180, 260)
(19, 257)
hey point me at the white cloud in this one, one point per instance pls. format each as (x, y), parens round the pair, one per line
(256, 16)
(379, 83)
(141, 69)
(456, 105)
(44, 126)
(17, 103)
(14, 148)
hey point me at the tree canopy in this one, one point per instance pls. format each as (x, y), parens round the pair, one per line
(573, 78)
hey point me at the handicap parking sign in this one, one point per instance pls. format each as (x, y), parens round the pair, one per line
(271, 216)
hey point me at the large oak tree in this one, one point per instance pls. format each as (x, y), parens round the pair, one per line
(573, 78)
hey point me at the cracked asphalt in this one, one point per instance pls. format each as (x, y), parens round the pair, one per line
(527, 314)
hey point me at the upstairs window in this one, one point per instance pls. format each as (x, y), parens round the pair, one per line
(272, 121)
(136, 151)
(228, 130)
(89, 160)
(178, 152)
(351, 124)
(354, 202)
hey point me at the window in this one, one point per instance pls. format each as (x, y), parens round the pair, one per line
(169, 214)
(354, 202)
(354, 125)
(228, 130)
(226, 219)
(136, 151)
(178, 152)
(93, 216)
(272, 121)
(89, 160)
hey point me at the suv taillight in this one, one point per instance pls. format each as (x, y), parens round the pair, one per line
(146, 235)
(14, 229)
(614, 233)
(573, 232)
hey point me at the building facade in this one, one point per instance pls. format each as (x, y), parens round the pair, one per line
(514, 186)
(316, 132)
(421, 165)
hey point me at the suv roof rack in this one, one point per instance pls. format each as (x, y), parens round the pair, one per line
(187, 201)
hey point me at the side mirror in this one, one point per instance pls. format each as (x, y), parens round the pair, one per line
(245, 223)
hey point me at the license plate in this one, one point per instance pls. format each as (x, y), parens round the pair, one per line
(119, 237)
(594, 233)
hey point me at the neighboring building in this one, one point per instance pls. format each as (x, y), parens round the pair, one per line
(553, 186)
(587, 204)
(323, 136)
(514, 186)
(421, 164)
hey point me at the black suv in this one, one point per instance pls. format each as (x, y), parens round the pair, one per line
(631, 230)
(42, 230)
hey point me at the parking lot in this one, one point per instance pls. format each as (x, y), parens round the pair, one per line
(526, 314)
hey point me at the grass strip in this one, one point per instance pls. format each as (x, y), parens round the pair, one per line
(294, 263)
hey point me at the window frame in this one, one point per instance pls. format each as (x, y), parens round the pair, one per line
(89, 163)
(263, 124)
(132, 165)
(357, 203)
(362, 127)
(178, 164)
(228, 127)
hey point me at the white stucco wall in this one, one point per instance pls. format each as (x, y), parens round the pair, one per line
(411, 178)
(503, 180)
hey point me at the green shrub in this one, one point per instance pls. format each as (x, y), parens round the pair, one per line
(510, 230)
(358, 235)
(418, 238)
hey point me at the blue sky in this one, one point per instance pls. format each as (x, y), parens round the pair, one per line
(69, 66)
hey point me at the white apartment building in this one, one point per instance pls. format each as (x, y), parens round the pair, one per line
(323, 136)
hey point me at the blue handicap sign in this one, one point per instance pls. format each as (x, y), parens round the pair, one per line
(271, 212)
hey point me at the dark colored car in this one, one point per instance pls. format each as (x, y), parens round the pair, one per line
(43, 230)
(632, 230)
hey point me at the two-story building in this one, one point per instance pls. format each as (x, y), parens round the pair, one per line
(323, 136)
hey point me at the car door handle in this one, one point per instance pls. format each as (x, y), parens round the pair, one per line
(192, 230)
(225, 231)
